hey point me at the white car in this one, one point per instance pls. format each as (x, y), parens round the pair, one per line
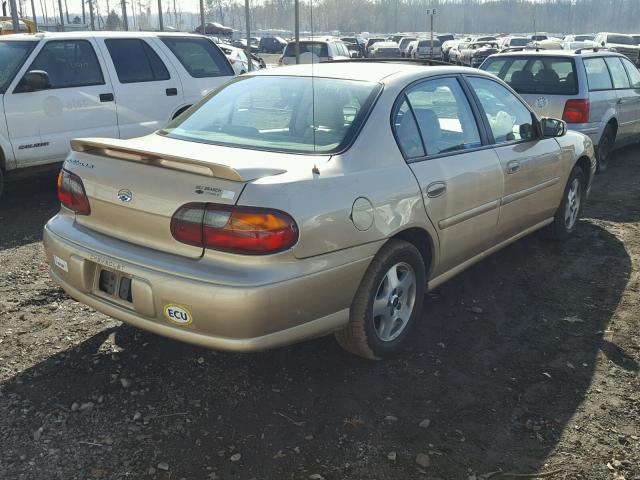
(238, 59)
(58, 86)
(315, 51)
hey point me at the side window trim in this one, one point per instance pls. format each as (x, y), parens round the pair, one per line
(38, 52)
(485, 121)
(402, 97)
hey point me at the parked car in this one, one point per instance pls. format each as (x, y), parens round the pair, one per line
(57, 86)
(577, 45)
(358, 42)
(427, 49)
(238, 59)
(385, 50)
(513, 42)
(578, 38)
(370, 44)
(596, 93)
(271, 45)
(446, 48)
(263, 218)
(538, 37)
(410, 48)
(548, 44)
(621, 43)
(454, 52)
(445, 37)
(403, 44)
(315, 51)
(475, 53)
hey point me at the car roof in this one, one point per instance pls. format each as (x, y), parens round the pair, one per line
(94, 34)
(560, 53)
(380, 72)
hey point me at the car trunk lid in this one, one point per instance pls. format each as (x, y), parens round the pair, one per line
(135, 186)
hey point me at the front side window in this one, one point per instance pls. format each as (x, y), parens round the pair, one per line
(199, 56)
(69, 63)
(135, 61)
(279, 113)
(597, 74)
(634, 74)
(444, 116)
(12, 56)
(618, 74)
(508, 118)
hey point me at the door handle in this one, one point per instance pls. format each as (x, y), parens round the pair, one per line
(513, 167)
(436, 189)
(171, 92)
(106, 97)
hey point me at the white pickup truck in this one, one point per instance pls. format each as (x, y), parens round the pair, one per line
(58, 86)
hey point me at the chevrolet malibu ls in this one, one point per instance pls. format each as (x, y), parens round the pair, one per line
(294, 204)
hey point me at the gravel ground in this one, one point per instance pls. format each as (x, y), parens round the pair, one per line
(526, 363)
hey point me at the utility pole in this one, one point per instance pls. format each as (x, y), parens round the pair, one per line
(125, 22)
(297, 29)
(33, 13)
(61, 15)
(202, 20)
(247, 20)
(91, 18)
(14, 17)
(66, 10)
(84, 15)
(160, 15)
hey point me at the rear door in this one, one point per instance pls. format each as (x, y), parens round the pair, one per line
(531, 166)
(634, 79)
(147, 90)
(627, 100)
(79, 102)
(602, 98)
(460, 178)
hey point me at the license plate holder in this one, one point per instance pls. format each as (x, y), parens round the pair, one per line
(115, 285)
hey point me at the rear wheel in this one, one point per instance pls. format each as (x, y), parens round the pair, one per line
(605, 146)
(387, 304)
(568, 214)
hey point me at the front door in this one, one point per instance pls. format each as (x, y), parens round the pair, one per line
(531, 166)
(79, 103)
(459, 177)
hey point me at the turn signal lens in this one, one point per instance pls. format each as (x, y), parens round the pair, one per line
(576, 111)
(246, 230)
(71, 193)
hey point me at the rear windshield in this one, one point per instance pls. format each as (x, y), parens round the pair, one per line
(317, 48)
(541, 74)
(406, 41)
(279, 113)
(12, 56)
(621, 39)
(427, 43)
(583, 38)
(519, 42)
(199, 56)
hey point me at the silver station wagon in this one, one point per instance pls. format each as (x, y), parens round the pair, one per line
(595, 92)
(298, 202)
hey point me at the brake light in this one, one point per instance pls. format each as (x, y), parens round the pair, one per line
(71, 193)
(576, 111)
(245, 230)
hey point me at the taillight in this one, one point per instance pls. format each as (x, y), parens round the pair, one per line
(576, 111)
(71, 193)
(246, 230)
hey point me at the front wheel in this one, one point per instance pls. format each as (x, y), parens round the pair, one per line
(567, 216)
(387, 304)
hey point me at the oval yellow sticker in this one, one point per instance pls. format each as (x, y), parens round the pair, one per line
(178, 314)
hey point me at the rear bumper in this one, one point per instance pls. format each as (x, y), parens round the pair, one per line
(309, 300)
(591, 130)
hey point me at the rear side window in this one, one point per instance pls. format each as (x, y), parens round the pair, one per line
(199, 56)
(407, 133)
(135, 61)
(597, 74)
(531, 75)
(69, 63)
(634, 75)
(618, 74)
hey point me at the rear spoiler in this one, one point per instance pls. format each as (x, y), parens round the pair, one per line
(111, 149)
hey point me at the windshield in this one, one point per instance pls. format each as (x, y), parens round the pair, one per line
(319, 49)
(427, 43)
(484, 45)
(519, 42)
(535, 74)
(279, 113)
(12, 56)
(621, 39)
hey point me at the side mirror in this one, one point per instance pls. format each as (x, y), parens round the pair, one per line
(552, 127)
(34, 81)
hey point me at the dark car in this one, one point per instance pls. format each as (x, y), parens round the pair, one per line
(271, 45)
(370, 43)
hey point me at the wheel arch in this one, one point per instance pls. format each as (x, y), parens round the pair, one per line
(585, 164)
(422, 240)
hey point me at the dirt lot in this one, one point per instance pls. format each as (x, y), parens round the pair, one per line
(526, 363)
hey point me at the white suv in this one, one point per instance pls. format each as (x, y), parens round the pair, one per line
(58, 86)
(315, 51)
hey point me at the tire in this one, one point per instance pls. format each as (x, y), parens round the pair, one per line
(367, 334)
(605, 146)
(567, 216)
